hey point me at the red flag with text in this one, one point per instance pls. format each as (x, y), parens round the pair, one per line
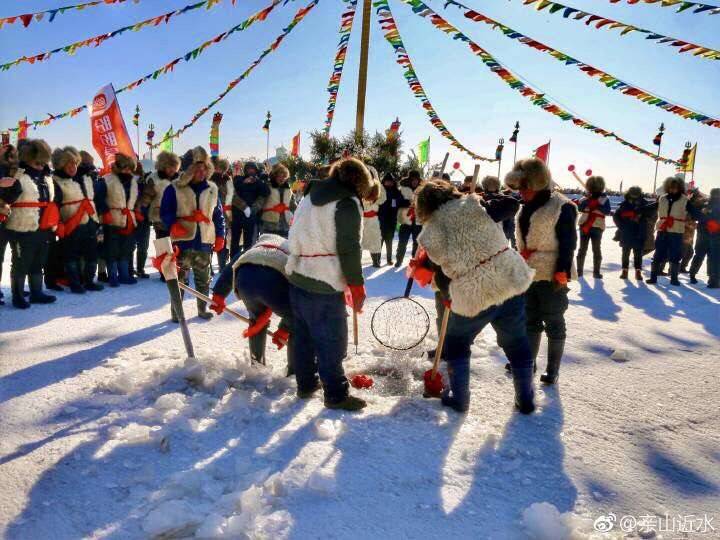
(543, 152)
(295, 149)
(109, 134)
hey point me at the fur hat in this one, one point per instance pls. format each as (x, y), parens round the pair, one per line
(324, 172)
(123, 161)
(198, 156)
(222, 166)
(634, 192)
(374, 193)
(373, 172)
(277, 169)
(62, 156)
(9, 159)
(86, 158)
(677, 181)
(595, 184)
(389, 177)
(34, 150)
(352, 172)
(251, 165)
(491, 184)
(432, 195)
(166, 160)
(531, 173)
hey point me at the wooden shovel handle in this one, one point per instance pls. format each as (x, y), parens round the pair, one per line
(441, 341)
(355, 328)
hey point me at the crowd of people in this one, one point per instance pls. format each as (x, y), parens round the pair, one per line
(494, 255)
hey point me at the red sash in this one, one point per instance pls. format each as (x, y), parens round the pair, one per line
(370, 214)
(629, 214)
(129, 223)
(668, 223)
(196, 217)
(279, 208)
(50, 216)
(73, 222)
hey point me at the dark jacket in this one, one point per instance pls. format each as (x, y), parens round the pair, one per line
(388, 211)
(631, 218)
(250, 191)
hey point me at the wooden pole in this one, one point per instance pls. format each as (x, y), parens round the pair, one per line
(657, 157)
(444, 163)
(362, 73)
(476, 173)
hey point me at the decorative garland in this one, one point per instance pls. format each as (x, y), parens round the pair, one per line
(299, 16)
(599, 22)
(539, 99)
(98, 40)
(392, 35)
(346, 24)
(604, 78)
(38, 16)
(682, 5)
(170, 66)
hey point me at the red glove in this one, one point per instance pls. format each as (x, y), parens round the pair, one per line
(177, 230)
(447, 303)
(561, 279)
(280, 337)
(418, 270)
(713, 226)
(107, 218)
(218, 303)
(219, 244)
(259, 324)
(139, 216)
(357, 293)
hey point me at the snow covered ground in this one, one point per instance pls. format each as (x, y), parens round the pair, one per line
(107, 432)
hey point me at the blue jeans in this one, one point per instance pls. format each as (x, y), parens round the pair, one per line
(321, 336)
(508, 320)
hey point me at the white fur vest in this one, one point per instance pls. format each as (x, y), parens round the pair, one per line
(672, 219)
(272, 216)
(187, 204)
(371, 238)
(118, 202)
(313, 244)
(408, 194)
(472, 251)
(73, 196)
(27, 219)
(541, 243)
(598, 216)
(270, 250)
(159, 185)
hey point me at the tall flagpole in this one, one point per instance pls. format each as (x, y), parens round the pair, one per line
(362, 73)
(657, 157)
(513, 139)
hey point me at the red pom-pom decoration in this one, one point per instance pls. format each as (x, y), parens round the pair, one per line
(456, 165)
(588, 172)
(362, 381)
(571, 168)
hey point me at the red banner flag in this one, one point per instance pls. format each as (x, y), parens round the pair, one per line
(295, 148)
(109, 133)
(543, 152)
(22, 129)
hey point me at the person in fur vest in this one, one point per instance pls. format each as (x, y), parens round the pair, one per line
(115, 198)
(325, 260)
(259, 281)
(222, 178)
(74, 196)
(192, 212)
(482, 280)
(491, 190)
(674, 209)
(167, 167)
(546, 238)
(249, 194)
(8, 168)
(593, 208)
(388, 213)
(371, 234)
(697, 200)
(631, 219)
(277, 212)
(408, 221)
(32, 222)
(709, 226)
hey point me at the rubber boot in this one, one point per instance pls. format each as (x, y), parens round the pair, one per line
(112, 272)
(18, 293)
(555, 352)
(203, 312)
(350, 403)
(375, 259)
(140, 268)
(624, 273)
(534, 339)
(524, 391)
(674, 271)
(653, 274)
(37, 296)
(73, 273)
(124, 275)
(596, 269)
(388, 250)
(290, 357)
(580, 263)
(459, 388)
(89, 278)
(693, 279)
(257, 348)
(638, 274)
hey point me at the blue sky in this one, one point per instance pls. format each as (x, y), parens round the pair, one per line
(475, 105)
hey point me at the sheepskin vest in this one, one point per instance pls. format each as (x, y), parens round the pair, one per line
(409, 195)
(73, 196)
(473, 252)
(371, 237)
(27, 219)
(270, 210)
(313, 244)
(541, 244)
(159, 185)
(270, 250)
(187, 204)
(598, 218)
(672, 219)
(118, 204)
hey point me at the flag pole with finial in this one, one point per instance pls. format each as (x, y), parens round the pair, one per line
(658, 143)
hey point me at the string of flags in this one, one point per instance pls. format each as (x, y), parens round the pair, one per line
(50, 14)
(539, 99)
(346, 25)
(392, 35)
(98, 40)
(696, 7)
(606, 79)
(170, 66)
(299, 16)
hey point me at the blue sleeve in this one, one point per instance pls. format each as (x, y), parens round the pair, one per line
(101, 197)
(606, 208)
(219, 220)
(224, 283)
(168, 207)
(582, 204)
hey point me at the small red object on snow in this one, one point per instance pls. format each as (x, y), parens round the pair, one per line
(362, 381)
(456, 165)
(588, 172)
(571, 168)
(433, 385)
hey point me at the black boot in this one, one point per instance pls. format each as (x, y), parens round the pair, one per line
(580, 263)
(638, 274)
(674, 271)
(624, 273)
(534, 340)
(653, 274)
(693, 279)
(18, 293)
(203, 312)
(73, 273)
(375, 259)
(37, 296)
(596, 269)
(555, 352)
(257, 348)
(89, 278)
(125, 277)
(112, 273)
(524, 391)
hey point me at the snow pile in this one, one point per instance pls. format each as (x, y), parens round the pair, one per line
(329, 429)
(133, 433)
(171, 519)
(543, 521)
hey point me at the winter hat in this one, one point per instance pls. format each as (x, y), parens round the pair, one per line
(595, 185)
(324, 172)
(715, 195)
(277, 170)
(222, 166)
(186, 160)
(491, 184)
(199, 157)
(166, 160)
(432, 195)
(123, 161)
(62, 156)
(634, 192)
(34, 150)
(677, 181)
(251, 165)
(528, 174)
(9, 158)
(352, 172)
(414, 175)
(389, 178)
(86, 158)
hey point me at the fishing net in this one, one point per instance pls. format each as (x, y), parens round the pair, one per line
(400, 323)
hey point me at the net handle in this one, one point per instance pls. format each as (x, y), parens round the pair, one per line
(408, 287)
